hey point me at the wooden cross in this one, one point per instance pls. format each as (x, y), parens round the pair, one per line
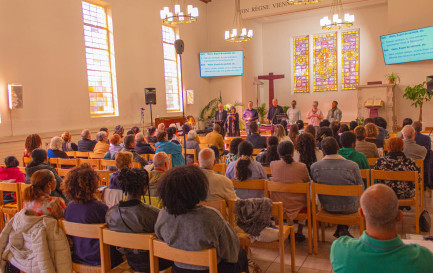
(271, 77)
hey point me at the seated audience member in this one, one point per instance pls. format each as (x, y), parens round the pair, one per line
(55, 148)
(215, 138)
(255, 138)
(133, 216)
(216, 152)
(130, 132)
(307, 151)
(411, 149)
(107, 133)
(246, 168)
(284, 124)
(335, 127)
(233, 151)
(86, 144)
(67, 144)
(322, 133)
(280, 133)
(37, 199)
(80, 188)
(191, 143)
(343, 128)
(424, 141)
(396, 160)
(123, 161)
(336, 170)
(288, 171)
(163, 145)
(406, 121)
(151, 134)
(325, 123)
(119, 130)
(115, 145)
(265, 157)
(11, 172)
(135, 129)
(171, 135)
(161, 127)
(381, 124)
(129, 145)
(220, 187)
(161, 164)
(310, 129)
(380, 248)
(40, 162)
(353, 125)
(294, 133)
(301, 126)
(367, 148)
(101, 146)
(186, 225)
(141, 146)
(33, 141)
(348, 141)
(368, 120)
(371, 133)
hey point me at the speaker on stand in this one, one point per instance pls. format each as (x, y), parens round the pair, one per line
(150, 98)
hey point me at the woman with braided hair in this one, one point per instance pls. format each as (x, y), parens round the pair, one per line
(306, 150)
(133, 216)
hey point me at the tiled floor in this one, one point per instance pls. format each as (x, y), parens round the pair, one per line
(269, 260)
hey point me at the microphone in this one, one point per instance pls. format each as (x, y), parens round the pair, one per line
(180, 46)
(142, 108)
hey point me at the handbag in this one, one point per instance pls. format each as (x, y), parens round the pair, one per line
(424, 221)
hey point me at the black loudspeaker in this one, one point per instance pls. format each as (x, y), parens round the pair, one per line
(430, 84)
(150, 95)
(180, 46)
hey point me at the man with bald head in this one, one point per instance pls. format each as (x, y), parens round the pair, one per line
(161, 163)
(274, 111)
(380, 248)
(411, 149)
(220, 187)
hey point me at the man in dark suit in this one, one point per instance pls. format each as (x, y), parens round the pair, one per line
(221, 117)
(424, 141)
(86, 144)
(274, 111)
(255, 138)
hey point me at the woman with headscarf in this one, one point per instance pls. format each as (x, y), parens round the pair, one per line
(231, 125)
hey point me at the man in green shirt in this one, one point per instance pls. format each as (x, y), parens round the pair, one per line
(380, 248)
(348, 141)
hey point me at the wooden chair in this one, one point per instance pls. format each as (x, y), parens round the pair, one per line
(408, 177)
(26, 160)
(301, 188)
(192, 152)
(119, 239)
(63, 172)
(81, 154)
(203, 145)
(420, 164)
(67, 162)
(89, 231)
(104, 177)
(145, 156)
(219, 205)
(54, 162)
(257, 151)
(202, 139)
(22, 169)
(227, 143)
(267, 170)
(224, 158)
(159, 249)
(96, 156)
(326, 217)
(221, 168)
(366, 174)
(71, 154)
(258, 184)
(10, 209)
(104, 164)
(94, 163)
(372, 161)
(284, 232)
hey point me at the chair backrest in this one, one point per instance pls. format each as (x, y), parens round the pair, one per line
(146, 156)
(219, 205)
(256, 151)
(336, 190)
(54, 162)
(288, 188)
(12, 187)
(96, 156)
(395, 175)
(27, 160)
(104, 177)
(220, 168)
(71, 154)
(159, 249)
(257, 184)
(203, 145)
(366, 174)
(63, 172)
(267, 170)
(104, 164)
(202, 139)
(23, 187)
(191, 152)
(22, 169)
(82, 154)
(372, 161)
(67, 162)
(136, 165)
(420, 164)
(94, 163)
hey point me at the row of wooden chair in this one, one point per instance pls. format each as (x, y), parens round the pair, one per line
(10, 209)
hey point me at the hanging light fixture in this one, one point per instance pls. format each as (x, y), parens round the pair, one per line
(178, 14)
(302, 2)
(239, 33)
(339, 18)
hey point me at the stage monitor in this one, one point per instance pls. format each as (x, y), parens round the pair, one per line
(221, 64)
(408, 46)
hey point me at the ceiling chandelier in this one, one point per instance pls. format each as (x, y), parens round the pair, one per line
(176, 14)
(302, 2)
(339, 18)
(239, 33)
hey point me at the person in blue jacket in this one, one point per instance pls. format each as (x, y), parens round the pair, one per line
(163, 145)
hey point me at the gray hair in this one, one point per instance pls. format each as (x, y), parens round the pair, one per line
(139, 137)
(56, 143)
(85, 133)
(380, 206)
(192, 134)
(408, 132)
(206, 158)
(159, 159)
(101, 135)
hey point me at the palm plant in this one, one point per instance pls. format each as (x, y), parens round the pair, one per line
(262, 111)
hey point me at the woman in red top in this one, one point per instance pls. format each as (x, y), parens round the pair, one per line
(33, 141)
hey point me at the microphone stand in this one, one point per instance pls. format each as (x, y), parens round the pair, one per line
(183, 104)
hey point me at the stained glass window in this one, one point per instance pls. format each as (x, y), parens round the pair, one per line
(350, 59)
(301, 64)
(325, 62)
(101, 73)
(171, 68)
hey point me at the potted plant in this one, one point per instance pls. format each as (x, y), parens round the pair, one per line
(393, 78)
(418, 94)
(360, 120)
(262, 111)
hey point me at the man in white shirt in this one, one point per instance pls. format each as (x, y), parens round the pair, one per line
(293, 113)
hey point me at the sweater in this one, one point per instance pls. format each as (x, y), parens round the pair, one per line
(86, 145)
(367, 148)
(142, 148)
(357, 157)
(215, 139)
(30, 170)
(220, 187)
(56, 154)
(171, 148)
(101, 147)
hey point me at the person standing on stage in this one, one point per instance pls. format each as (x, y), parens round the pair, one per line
(232, 124)
(293, 113)
(249, 116)
(274, 111)
(221, 117)
(314, 116)
(335, 114)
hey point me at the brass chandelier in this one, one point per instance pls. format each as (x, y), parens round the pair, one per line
(339, 18)
(239, 33)
(302, 2)
(178, 14)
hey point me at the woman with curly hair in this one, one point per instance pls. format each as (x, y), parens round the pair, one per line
(294, 133)
(133, 216)
(265, 157)
(33, 141)
(233, 152)
(80, 187)
(322, 133)
(306, 150)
